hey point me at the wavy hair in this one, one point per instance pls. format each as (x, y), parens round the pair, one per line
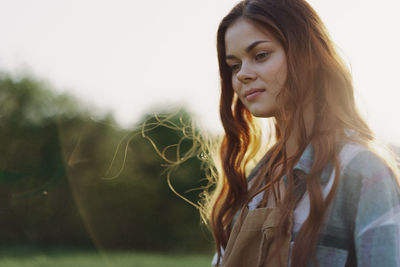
(316, 76)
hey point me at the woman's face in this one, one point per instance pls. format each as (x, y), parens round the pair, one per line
(258, 64)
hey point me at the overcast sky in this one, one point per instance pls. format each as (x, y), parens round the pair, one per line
(133, 56)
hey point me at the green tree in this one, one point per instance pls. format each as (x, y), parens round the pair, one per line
(56, 186)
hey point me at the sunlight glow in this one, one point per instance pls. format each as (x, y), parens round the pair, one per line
(130, 57)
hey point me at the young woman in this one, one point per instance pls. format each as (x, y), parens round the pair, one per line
(321, 194)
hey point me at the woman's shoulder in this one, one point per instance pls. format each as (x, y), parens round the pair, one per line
(368, 198)
(368, 183)
(360, 161)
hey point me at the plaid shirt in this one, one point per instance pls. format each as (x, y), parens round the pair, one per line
(363, 221)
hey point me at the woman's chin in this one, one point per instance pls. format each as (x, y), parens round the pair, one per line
(262, 113)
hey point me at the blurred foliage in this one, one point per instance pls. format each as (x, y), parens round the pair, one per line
(65, 179)
(61, 257)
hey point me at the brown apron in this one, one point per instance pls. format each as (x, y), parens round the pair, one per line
(251, 242)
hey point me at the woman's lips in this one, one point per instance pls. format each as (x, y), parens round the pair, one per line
(253, 93)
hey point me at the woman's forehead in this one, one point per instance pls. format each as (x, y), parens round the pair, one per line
(242, 33)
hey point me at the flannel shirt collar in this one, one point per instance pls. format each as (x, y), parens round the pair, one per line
(305, 164)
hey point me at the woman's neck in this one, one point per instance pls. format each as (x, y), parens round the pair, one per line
(292, 144)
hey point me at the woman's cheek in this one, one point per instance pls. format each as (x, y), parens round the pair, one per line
(236, 84)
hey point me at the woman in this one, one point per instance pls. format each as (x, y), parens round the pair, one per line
(321, 194)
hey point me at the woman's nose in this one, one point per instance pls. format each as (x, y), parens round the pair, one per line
(246, 74)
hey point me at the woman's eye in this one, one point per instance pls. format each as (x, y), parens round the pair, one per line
(261, 56)
(235, 67)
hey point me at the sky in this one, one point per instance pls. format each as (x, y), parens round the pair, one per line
(132, 57)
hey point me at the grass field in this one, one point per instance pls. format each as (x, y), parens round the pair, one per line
(29, 257)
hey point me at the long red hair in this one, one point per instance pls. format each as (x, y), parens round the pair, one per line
(316, 72)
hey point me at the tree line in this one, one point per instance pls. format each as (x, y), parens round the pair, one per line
(72, 177)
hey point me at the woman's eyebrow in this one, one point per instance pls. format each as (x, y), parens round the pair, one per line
(254, 44)
(249, 48)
